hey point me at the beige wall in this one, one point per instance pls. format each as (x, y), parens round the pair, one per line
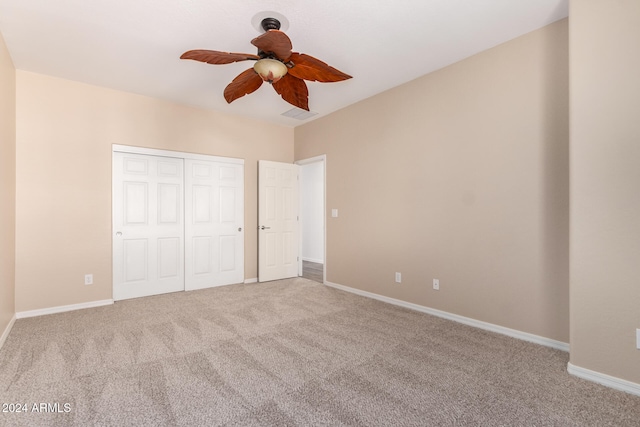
(65, 131)
(460, 175)
(7, 185)
(605, 186)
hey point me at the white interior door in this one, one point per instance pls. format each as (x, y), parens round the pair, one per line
(214, 224)
(277, 220)
(148, 246)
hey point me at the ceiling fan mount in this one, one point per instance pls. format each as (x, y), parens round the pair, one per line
(275, 63)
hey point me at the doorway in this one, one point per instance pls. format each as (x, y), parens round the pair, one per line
(312, 218)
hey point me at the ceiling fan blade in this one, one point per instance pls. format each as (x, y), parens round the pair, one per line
(293, 90)
(309, 68)
(276, 42)
(246, 82)
(215, 57)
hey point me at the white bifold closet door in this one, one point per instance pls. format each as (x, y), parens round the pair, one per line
(148, 221)
(177, 223)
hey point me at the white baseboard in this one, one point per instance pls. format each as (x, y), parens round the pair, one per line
(62, 308)
(525, 336)
(254, 280)
(317, 261)
(604, 379)
(5, 334)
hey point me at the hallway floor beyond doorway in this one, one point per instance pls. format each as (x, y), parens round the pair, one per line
(313, 271)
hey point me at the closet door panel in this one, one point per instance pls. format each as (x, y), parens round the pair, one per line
(148, 225)
(214, 227)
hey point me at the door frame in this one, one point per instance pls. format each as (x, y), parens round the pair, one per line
(177, 154)
(321, 158)
(130, 149)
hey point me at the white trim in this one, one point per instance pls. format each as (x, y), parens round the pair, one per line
(315, 159)
(525, 336)
(317, 261)
(604, 379)
(62, 308)
(254, 280)
(177, 154)
(7, 330)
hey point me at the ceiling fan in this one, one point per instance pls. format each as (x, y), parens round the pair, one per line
(276, 64)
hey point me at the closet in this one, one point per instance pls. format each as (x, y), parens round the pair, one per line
(178, 221)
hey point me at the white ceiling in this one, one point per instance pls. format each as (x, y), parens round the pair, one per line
(135, 45)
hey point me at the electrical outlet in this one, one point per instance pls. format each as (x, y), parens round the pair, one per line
(88, 279)
(436, 284)
(398, 277)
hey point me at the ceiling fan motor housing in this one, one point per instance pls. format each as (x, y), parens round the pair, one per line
(270, 24)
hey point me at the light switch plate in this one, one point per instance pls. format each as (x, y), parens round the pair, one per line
(638, 339)
(334, 213)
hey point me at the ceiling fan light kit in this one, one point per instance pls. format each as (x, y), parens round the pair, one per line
(275, 64)
(271, 70)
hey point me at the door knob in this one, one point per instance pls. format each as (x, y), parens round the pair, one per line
(119, 234)
(239, 228)
(264, 228)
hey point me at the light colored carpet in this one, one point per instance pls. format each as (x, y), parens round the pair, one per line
(290, 352)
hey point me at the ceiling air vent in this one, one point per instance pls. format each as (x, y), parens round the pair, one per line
(299, 113)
